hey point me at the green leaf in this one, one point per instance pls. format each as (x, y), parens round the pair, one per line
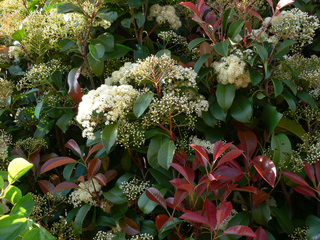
(314, 232)
(105, 221)
(44, 128)
(119, 51)
(217, 112)
(127, 22)
(107, 40)
(142, 103)
(64, 121)
(24, 206)
(289, 99)
(115, 195)
(283, 48)
(1, 210)
(242, 218)
(162, 177)
(19, 35)
(306, 97)
(200, 62)
(17, 168)
(141, 53)
(140, 19)
(292, 87)
(109, 16)
(154, 147)
(38, 233)
(97, 51)
(97, 66)
(291, 126)
(241, 109)
(145, 204)
(270, 117)
(263, 53)
(66, 44)
(119, 210)
(13, 194)
(1, 182)
(222, 48)
(135, 3)
(284, 221)
(225, 95)
(166, 153)
(11, 226)
(226, 18)
(196, 42)
(255, 77)
(278, 87)
(109, 136)
(68, 7)
(209, 119)
(235, 28)
(149, 227)
(281, 146)
(162, 52)
(261, 213)
(78, 221)
(4, 175)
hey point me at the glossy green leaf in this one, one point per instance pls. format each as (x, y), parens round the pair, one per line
(107, 40)
(115, 195)
(278, 87)
(141, 53)
(241, 109)
(17, 168)
(255, 77)
(306, 97)
(283, 48)
(97, 66)
(226, 18)
(13, 194)
(162, 177)
(140, 19)
(148, 227)
(271, 117)
(263, 53)
(209, 119)
(225, 95)
(145, 204)
(38, 233)
(261, 214)
(217, 112)
(291, 86)
(119, 51)
(109, 136)
(166, 153)
(196, 42)
(24, 206)
(235, 28)
(314, 232)
(97, 51)
(200, 62)
(64, 121)
(135, 3)
(81, 215)
(66, 44)
(142, 103)
(127, 22)
(19, 35)
(281, 146)
(105, 221)
(284, 221)
(222, 48)
(291, 126)
(11, 226)
(154, 147)
(290, 99)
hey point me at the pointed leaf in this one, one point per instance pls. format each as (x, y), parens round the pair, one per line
(73, 145)
(65, 185)
(156, 196)
(248, 142)
(201, 154)
(191, 6)
(283, 3)
(295, 178)
(166, 153)
(194, 217)
(78, 221)
(266, 168)
(284, 221)
(230, 156)
(56, 162)
(95, 148)
(142, 103)
(161, 220)
(24, 206)
(94, 167)
(129, 226)
(109, 175)
(235, 28)
(179, 196)
(317, 167)
(101, 179)
(241, 109)
(310, 172)
(109, 136)
(224, 211)
(261, 234)
(46, 186)
(74, 86)
(305, 190)
(211, 213)
(240, 230)
(187, 172)
(225, 95)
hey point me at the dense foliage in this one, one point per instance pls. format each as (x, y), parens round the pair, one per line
(158, 119)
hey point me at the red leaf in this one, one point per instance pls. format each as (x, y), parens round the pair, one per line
(200, 189)
(188, 187)
(161, 220)
(65, 185)
(94, 167)
(253, 12)
(247, 189)
(295, 178)
(206, 48)
(259, 197)
(310, 172)
(266, 168)
(271, 3)
(81, 179)
(201, 154)
(211, 213)
(228, 189)
(56, 162)
(176, 182)
(129, 226)
(283, 3)
(217, 148)
(191, 6)
(74, 86)
(179, 196)
(17, 151)
(248, 142)
(305, 190)
(240, 230)
(230, 156)
(224, 212)
(73, 145)
(261, 234)
(181, 157)
(46, 186)
(101, 179)
(317, 167)
(169, 202)
(155, 195)
(109, 175)
(95, 148)
(195, 164)
(187, 172)
(194, 217)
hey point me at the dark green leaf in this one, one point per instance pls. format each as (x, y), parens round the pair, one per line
(200, 62)
(225, 95)
(141, 53)
(115, 195)
(66, 44)
(140, 19)
(263, 53)
(261, 214)
(153, 149)
(196, 42)
(109, 16)
(78, 221)
(281, 146)
(284, 221)
(120, 51)
(222, 48)
(283, 48)
(209, 119)
(290, 99)
(142, 103)
(43, 128)
(149, 227)
(291, 126)
(241, 109)
(235, 28)
(226, 18)
(306, 97)
(162, 52)
(255, 77)
(68, 7)
(314, 232)
(97, 66)
(161, 177)
(292, 87)
(107, 40)
(135, 3)
(217, 112)
(109, 136)
(270, 117)
(166, 153)
(64, 121)
(127, 22)
(106, 221)
(278, 87)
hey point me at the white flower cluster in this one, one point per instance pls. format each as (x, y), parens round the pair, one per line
(86, 193)
(108, 103)
(6, 89)
(142, 236)
(314, 152)
(134, 188)
(164, 14)
(231, 70)
(16, 52)
(123, 76)
(203, 143)
(174, 38)
(5, 141)
(293, 24)
(101, 235)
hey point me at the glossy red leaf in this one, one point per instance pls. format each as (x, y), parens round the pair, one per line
(216, 148)
(235, 164)
(179, 207)
(200, 189)
(101, 179)
(195, 164)
(222, 149)
(266, 168)
(129, 226)
(181, 157)
(155, 195)
(179, 196)
(230, 156)
(305, 190)
(201, 154)
(259, 197)
(81, 179)
(176, 182)
(74, 86)
(94, 167)
(295, 178)
(223, 212)
(65, 185)
(95, 148)
(73, 145)
(188, 187)
(227, 190)
(46, 186)
(283, 3)
(109, 175)
(56, 162)
(310, 172)
(161, 220)
(248, 142)
(240, 230)
(261, 234)
(253, 12)
(194, 217)
(317, 167)
(191, 6)
(211, 213)
(187, 172)
(247, 189)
